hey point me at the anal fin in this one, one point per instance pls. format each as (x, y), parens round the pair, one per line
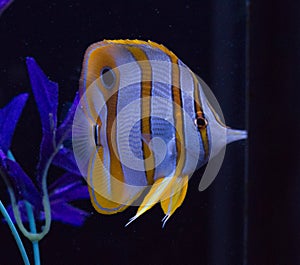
(175, 196)
(155, 194)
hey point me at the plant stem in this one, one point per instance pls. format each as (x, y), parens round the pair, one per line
(15, 234)
(15, 207)
(32, 236)
(32, 226)
(10, 155)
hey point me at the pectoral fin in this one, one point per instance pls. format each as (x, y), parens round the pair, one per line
(108, 194)
(175, 196)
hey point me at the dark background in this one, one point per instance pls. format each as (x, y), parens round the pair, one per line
(274, 169)
(250, 214)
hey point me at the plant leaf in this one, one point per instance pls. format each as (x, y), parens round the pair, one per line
(46, 97)
(9, 117)
(64, 131)
(68, 187)
(20, 182)
(72, 192)
(45, 94)
(68, 214)
(4, 4)
(65, 159)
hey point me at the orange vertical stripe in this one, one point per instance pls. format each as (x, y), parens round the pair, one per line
(178, 116)
(146, 88)
(199, 109)
(177, 108)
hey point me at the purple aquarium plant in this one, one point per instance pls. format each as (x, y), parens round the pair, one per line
(31, 199)
(4, 4)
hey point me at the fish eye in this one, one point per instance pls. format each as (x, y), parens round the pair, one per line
(200, 121)
(108, 77)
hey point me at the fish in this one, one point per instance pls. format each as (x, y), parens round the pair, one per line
(143, 127)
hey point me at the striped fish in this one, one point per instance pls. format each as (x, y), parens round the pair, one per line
(143, 126)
